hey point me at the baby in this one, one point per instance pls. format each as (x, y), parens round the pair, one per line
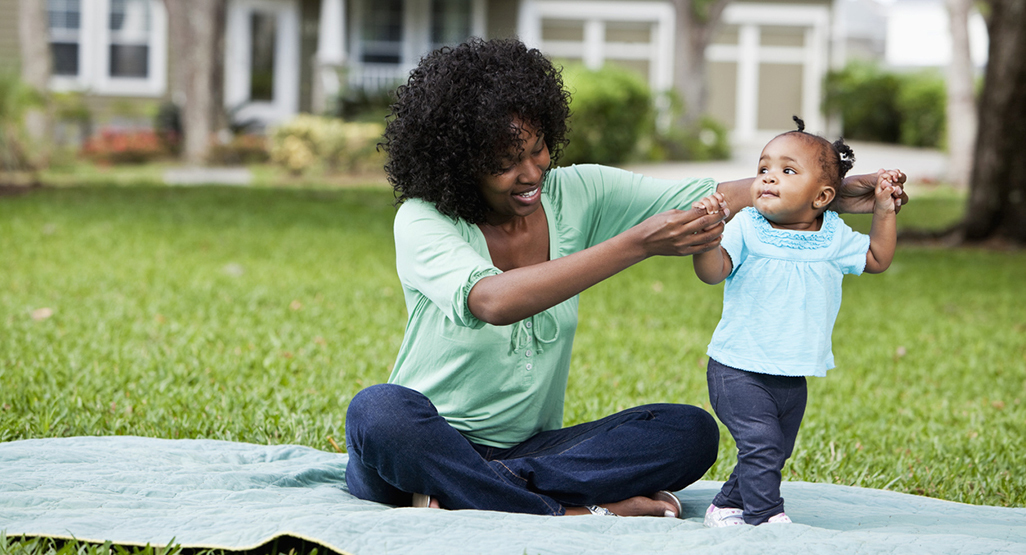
(783, 260)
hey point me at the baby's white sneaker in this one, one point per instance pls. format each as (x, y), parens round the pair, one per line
(718, 517)
(779, 518)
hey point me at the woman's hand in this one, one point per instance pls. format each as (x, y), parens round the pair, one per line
(683, 232)
(857, 194)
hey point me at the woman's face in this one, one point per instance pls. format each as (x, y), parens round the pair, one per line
(516, 189)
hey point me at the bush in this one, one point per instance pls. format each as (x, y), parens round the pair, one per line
(306, 142)
(247, 148)
(610, 111)
(866, 99)
(168, 124)
(881, 106)
(706, 140)
(354, 104)
(112, 146)
(922, 101)
(16, 98)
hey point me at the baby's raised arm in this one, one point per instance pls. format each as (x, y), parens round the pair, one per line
(883, 234)
(712, 266)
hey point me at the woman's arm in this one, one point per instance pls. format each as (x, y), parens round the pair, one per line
(522, 292)
(857, 194)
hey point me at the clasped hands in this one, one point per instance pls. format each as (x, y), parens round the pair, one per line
(697, 230)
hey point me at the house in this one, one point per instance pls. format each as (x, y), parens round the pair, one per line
(918, 35)
(766, 62)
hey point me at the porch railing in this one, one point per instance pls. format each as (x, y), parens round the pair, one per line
(373, 78)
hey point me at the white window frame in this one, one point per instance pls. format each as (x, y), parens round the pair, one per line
(416, 39)
(748, 54)
(94, 55)
(594, 50)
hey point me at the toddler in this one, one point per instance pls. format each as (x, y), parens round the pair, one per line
(783, 260)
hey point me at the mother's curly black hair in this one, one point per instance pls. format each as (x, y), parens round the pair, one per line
(451, 123)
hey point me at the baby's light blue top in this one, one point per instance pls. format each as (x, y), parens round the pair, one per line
(783, 294)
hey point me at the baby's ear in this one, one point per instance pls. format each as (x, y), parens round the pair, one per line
(824, 198)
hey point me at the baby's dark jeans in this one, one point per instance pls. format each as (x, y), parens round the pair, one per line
(763, 413)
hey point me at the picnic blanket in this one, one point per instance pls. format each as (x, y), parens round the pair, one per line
(236, 496)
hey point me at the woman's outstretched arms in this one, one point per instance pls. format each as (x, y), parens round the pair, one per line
(522, 292)
(857, 194)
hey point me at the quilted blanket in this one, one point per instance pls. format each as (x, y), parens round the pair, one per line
(218, 494)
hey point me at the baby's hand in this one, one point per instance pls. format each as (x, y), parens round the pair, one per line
(711, 204)
(886, 182)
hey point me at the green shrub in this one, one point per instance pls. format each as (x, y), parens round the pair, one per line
(921, 101)
(610, 111)
(866, 99)
(115, 146)
(882, 106)
(354, 104)
(306, 142)
(242, 149)
(705, 140)
(16, 98)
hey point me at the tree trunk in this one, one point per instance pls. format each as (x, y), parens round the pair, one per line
(35, 70)
(961, 108)
(196, 29)
(997, 199)
(695, 23)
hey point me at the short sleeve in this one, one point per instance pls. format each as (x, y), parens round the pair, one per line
(603, 202)
(435, 257)
(733, 241)
(852, 248)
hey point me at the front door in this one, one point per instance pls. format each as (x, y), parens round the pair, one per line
(262, 60)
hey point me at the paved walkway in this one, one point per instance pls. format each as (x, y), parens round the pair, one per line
(921, 165)
(196, 175)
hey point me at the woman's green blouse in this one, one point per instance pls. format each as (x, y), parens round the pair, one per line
(499, 385)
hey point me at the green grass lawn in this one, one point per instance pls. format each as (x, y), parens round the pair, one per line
(255, 315)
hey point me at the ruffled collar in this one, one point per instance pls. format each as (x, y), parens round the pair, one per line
(789, 239)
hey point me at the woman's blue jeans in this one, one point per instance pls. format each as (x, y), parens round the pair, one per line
(399, 445)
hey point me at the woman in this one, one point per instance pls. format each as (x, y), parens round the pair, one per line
(492, 249)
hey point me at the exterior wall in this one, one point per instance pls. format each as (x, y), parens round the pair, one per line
(635, 34)
(104, 111)
(10, 54)
(502, 19)
(766, 63)
(310, 13)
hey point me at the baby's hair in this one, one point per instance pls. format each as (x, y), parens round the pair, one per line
(836, 158)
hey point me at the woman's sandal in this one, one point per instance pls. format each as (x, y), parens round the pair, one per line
(670, 498)
(421, 500)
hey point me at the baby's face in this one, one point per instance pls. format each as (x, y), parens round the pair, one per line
(789, 181)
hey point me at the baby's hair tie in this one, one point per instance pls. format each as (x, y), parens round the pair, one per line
(801, 124)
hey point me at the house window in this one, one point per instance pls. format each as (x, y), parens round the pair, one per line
(129, 38)
(263, 29)
(108, 47)
(65, 22)
(450, 22)
(635, 35)
(382, 33)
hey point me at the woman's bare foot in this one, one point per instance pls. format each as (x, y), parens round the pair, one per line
(635, 506)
